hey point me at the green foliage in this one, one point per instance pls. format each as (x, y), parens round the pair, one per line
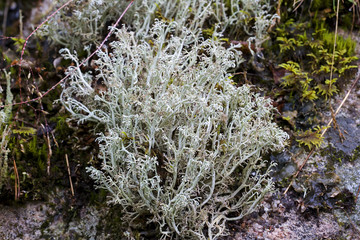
(25, 130)
(208, 32)
(321, 4)
(310, 138)
(62, 128)
(298, 80)
(32, 147)
(310, 60)
(311, 71)
(19, 44)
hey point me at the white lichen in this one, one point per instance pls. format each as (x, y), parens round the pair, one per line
(181, 143)
(83, 22)
(5, 131)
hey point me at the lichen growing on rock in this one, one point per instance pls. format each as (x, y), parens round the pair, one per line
(84, 22)
(181, 144)
(5, 131)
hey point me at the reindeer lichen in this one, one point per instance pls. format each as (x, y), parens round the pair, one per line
(83, 22)
(182, 144)
(5, 131)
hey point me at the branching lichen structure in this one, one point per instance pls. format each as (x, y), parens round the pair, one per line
(84, 21)
(182, 144)
(5, 131)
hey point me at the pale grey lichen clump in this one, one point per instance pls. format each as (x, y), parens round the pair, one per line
(5, 130)
(84, 20)
(182, 144)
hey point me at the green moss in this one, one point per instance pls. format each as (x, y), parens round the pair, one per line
(320, 4)
(327, 38)
(208, 32)
(310, 61)
(310, 138)
(62, 127)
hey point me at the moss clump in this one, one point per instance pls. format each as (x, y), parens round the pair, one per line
(309, 60)
(307, 70)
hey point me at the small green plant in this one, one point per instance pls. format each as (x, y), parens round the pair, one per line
(18, 43)
(309, 70)
(310, 138)
(25, 130)
(298, 81)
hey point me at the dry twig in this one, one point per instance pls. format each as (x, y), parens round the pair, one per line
(69, 173)
(17, 182)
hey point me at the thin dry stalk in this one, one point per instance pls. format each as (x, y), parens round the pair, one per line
(68, 168)
(53, 136)
(355, 9)
(332, 70)
(17, 182)
(47, 138)
(298, 2)
(352, 223)
(335, 40)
